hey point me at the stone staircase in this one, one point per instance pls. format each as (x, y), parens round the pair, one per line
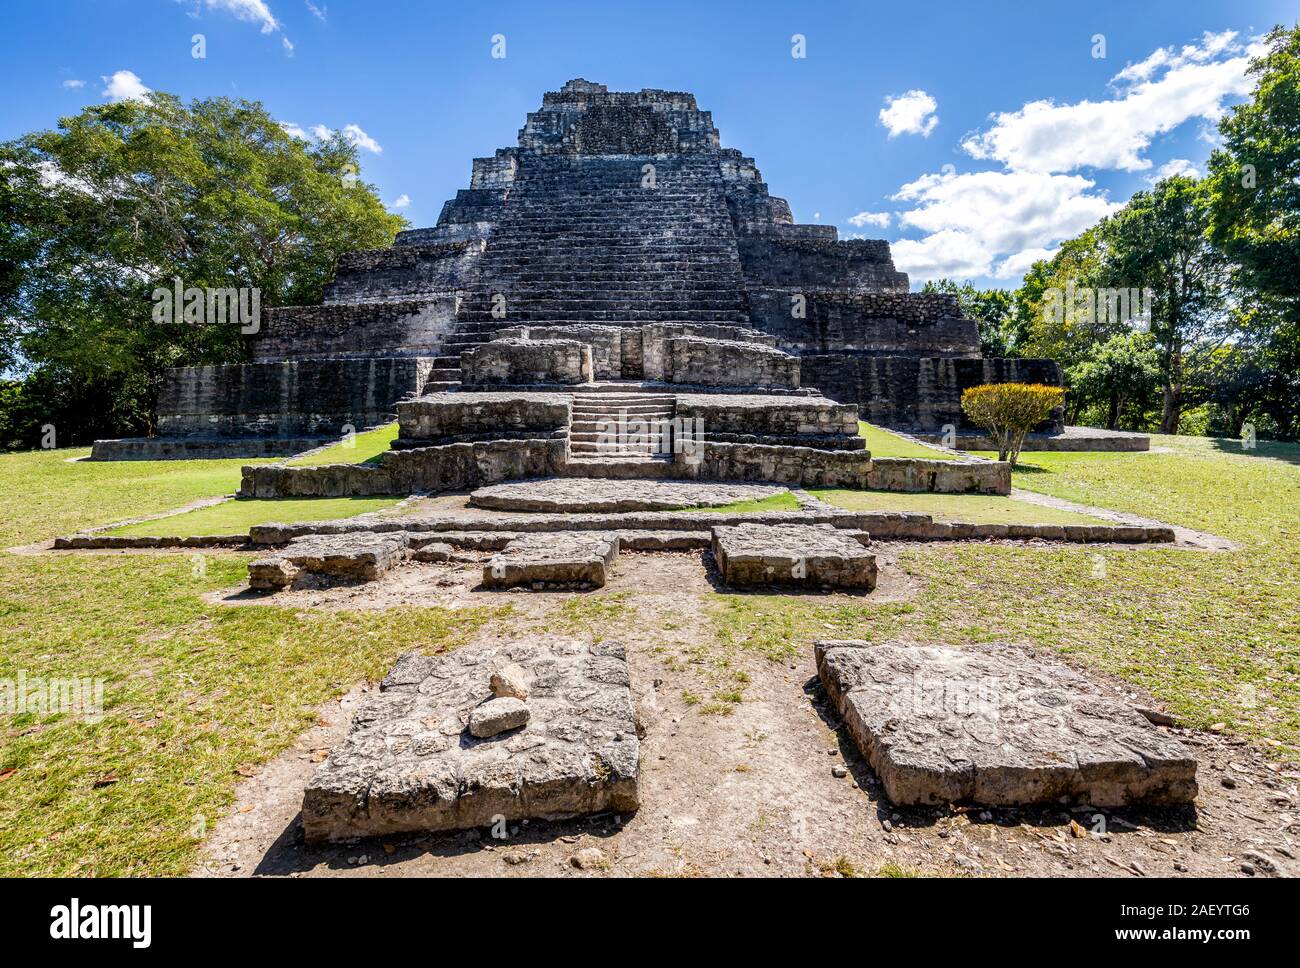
(621, 434)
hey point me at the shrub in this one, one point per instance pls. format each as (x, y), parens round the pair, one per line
(1008, 411)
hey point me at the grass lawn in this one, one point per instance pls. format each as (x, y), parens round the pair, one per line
(883, 443)
(237, 516)
(785, 501)
(363, 448)
(976, 508)
(196, 695)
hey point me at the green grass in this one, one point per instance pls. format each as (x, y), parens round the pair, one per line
(1214, 636)
(975, 508)
(363, 448)
(785, 501)
(43, 495)
(237, 516)
(883, 443)
(196, 694)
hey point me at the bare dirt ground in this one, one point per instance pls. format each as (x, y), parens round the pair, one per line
(773, 787)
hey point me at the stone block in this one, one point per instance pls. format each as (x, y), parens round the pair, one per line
(409, 762)
(798, 555)
(358, 556)
(520, 362)
(549, 559)
(999, 726)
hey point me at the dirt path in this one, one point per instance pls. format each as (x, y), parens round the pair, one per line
(752, 792)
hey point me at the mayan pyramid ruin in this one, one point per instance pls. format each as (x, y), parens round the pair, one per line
(617, 262)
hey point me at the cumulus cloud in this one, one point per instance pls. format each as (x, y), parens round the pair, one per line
(912, 112)
(72, 84)
(862, 219)
(122, 86)
(353, 132)
(295, 131)
(976, 220)
(1175, 166)
(402, 201)
(1153, 97)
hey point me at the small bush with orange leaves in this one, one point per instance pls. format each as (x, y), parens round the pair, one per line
(1008, 411)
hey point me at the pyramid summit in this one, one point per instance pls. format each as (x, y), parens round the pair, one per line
(616, 253)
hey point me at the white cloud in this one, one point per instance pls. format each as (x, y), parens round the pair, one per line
(320, 13)
(249, 11)
(1015, 266)
(353, 132)
(362, 140)
(910, 113)
(402, 201)
(72, 84)
(1175, 166)
(862, 219)
(122, 86)
(1156, 95)
(975, 220)
(295, 131)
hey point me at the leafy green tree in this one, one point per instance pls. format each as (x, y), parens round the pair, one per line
(1159, 241)
(124, 198)
(1123, 369)
(1254, 184)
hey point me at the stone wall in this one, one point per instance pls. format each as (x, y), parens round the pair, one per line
(404, 271)
(448, 467)
(799, 466)
(202, 448)
(655, 336)
(303, 398)
(939, 476)
(521, 362)
(921, 394)
(606, 343)
(694, 361)
(399, 328)
(811, 263)
(439, 417)
(876, 323)
(783, 416)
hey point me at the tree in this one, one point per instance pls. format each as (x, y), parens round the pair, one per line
(125, 198)
(1124, 368)
(1254, 185)
(1158, 241)
(1008, 411)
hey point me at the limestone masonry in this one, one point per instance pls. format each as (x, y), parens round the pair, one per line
(619, 264)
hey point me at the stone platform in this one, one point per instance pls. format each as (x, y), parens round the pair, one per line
(564, 559)
(573, 495)
(799, 555)
(410, 762)
(997, 726)
(360, 556)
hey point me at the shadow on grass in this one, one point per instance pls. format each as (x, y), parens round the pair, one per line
(1272, 449)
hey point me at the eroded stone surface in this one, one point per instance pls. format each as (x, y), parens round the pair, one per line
(356, 556)
(498, 715)
(409, 762)
(997, 725)
(604, 495)
(793, 554)
(567, 558)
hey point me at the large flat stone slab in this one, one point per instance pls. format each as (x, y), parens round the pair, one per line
(999, 726)
(553, 559)
(356, 556)
(584, 495)
(818, 555)
(410, 762)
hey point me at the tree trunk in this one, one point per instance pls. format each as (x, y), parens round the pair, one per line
(1112, 418)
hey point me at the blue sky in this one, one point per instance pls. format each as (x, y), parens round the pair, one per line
(974, 136)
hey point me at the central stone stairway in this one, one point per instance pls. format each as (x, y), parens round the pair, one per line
(622, 434)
